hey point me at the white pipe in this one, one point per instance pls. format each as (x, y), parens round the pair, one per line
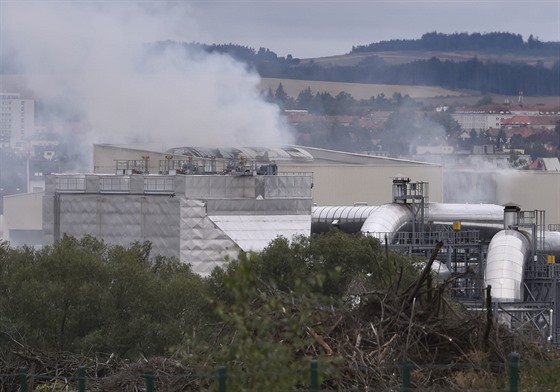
(473, 213)
(552, 244)
(343, 213)
(388, 218)
(505, 265)
(508, 253)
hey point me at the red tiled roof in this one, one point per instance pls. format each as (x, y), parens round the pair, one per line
(517, 120)
(531, 120)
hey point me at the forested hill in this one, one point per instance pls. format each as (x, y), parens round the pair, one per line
(472, 73)
(434, 41)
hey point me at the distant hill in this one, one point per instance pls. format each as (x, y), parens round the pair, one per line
(494, 63)
(407, 56)
(496, 41)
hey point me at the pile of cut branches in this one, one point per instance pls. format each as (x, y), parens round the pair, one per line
(422, 327)
(59, 371)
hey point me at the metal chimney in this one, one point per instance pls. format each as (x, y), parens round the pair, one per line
(400, 189)
(511, 217)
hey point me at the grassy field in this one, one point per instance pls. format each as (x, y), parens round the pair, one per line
(429, 95)
(402, 57)
(357, 90)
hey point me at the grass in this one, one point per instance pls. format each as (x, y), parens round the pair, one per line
(357, 90)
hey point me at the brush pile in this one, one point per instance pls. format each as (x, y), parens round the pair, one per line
(447, 346)
(58, 371)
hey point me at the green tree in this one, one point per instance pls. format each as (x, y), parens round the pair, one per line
(447, 121)
(329, 264)
(272, 303)
(473, 137)
(280, 96)
(54, 294)
(83, 295)
(343, 102)
(304, 99)
(485, 100)
(269, 97)
(517, 141)
(265, 333)
(501, 139)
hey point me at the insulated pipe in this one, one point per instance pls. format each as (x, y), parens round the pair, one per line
(388, 218)
(473, 213)
(505, 265)
(488, 219)
(348, 219)
(552, 244)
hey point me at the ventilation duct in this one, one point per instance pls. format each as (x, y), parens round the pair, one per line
(391, 218)
(346, 218)
(505, 265)
(508, 253)
(387, 220)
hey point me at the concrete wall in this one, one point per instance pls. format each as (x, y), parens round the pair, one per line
(531, 190)
(346, 184)
(23, 219)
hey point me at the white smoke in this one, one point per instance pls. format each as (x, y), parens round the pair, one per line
(94, 62)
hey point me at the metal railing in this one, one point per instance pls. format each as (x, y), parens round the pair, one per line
(430, 238)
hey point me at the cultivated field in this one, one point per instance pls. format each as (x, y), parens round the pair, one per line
(403, 57)
(429, 95)
(357, 90)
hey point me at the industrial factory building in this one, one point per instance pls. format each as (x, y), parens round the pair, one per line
(339, 178)
(343, 179)
(203, 206)
(201, 219)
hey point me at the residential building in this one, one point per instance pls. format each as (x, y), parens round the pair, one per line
(17, 120)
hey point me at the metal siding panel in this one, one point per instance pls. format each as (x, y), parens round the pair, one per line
(254, 233)
(202, 244)
(48, 219)
(123, 219)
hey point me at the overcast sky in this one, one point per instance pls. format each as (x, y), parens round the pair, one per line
(311, 28)
(85, 59)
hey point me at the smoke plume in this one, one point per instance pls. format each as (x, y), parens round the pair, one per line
(94, 66)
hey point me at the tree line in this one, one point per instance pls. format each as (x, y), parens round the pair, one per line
(474, 74)
(84, 296)
(501, 41)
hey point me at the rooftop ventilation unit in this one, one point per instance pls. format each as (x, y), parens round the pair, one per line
(133, 166)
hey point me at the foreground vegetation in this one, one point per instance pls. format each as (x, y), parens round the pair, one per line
(346, 301)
